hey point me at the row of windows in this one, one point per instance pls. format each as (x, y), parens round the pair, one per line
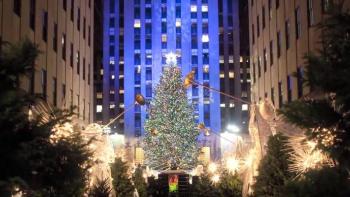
(326, 5)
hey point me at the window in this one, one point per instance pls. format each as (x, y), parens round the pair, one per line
(265, 60)
(72, 10)
(148, 13)
(148, 74)
(164, 27)
(63, 42)
(32, 14)
(253, 34)
(137, 44)
(263, 17)
(88, 74)
(193, 28)
(78, 20)
(111, 6)
(164, 12)
(178, 42)
(194, 90)
(205, 58)
(148, 43)
(297, 22)
(205, 38)
(259, 66)
(64, 5)
(194, 59)
(71, 55)
(287, 29)
(280, 94)
(43, 82)
(148, 59)
(206, 92)
(258, 26)
(44, 26)
(98, 108)
(84, 69)
(137, 75)
(89, 35)
(205, 29)
(17, 7)
(270, 9)
(149, 90)
(54, 92)
(272, 95)
(300, 76)
(271, 53)
(279, 44)
(78, 61)
(137, 12)
(178, 12)
(326, 5)
(207, 115)
(111, 50)
(310, 13)
(54, 38)
(148, 28)
(289, 88)
(137, 59)
(64, 92)
(84, 27)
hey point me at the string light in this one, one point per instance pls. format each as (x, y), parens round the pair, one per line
(305, 155)
(212, 167)
(232, 164)
(215, 178)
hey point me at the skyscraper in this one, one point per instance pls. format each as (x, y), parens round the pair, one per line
(63, 30)
(282, 33)
(137, 36)
(234, 63)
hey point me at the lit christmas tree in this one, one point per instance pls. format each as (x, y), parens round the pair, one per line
(171, 133)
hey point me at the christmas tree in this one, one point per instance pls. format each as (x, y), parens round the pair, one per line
(171, 133)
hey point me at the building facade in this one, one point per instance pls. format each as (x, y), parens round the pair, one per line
(234, 63)
(137, 36)
(63, 30)
(281, 34)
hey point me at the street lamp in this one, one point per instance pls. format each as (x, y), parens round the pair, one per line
(139, 100)
(233, 128)
(189, 80)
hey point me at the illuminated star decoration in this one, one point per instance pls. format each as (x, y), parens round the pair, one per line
(171, 58)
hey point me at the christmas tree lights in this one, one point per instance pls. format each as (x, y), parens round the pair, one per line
(171, 133)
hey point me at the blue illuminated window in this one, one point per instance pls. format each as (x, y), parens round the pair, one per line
(194, 43)
(194, 59)
(148, 73)
(205, 59)
(137, 12)
(148, 43)
(194, 28)
(149, 90)
(148, 28)
(148, 13)
(178, 12)
(205, 28)
(137, 44)
(163, 12)
(195, 91)
(148, 60)
(164, 27)
(137, 79)
(137, 59)
(178, 42)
